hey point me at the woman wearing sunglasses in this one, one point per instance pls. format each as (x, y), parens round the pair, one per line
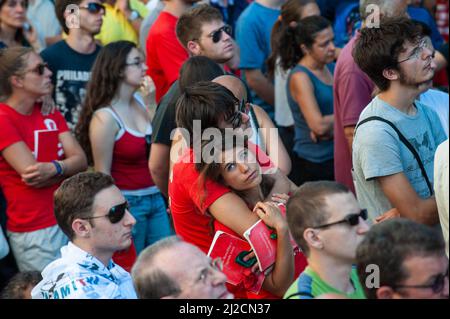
(14, 29)
(114, 130)
(236, 167)
(36, 153)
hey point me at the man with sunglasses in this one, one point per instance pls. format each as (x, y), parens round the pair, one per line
(397, 135)
(92, 212)
(161, 273)
(402, 259)
(327, 223)
(202, 32)
(71, 59)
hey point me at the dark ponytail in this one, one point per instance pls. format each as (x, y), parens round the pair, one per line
(297, 34)
(291, 11)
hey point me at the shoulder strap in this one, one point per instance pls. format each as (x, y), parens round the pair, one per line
(405, 142)
(116, 117)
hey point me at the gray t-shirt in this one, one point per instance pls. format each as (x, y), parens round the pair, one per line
(378, 151)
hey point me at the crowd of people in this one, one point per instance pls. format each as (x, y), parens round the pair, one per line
(133, 133)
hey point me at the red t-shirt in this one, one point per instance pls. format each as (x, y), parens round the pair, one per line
(28, 208)
(165, 54)
(189, 202)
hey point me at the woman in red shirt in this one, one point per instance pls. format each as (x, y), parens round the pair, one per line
(36, 153)
(115, 130)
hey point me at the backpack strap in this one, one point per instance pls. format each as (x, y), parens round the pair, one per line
(405, 142)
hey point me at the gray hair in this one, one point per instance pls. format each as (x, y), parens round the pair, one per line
(150, 281)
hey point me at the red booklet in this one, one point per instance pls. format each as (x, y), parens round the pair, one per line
(228, 247)
(264, 247)
(46, 145)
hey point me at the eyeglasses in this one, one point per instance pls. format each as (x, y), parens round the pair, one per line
(351, 219)
(14, 3)
(217, 34)
(236, 119)
(115, 214)
(138, 63)
(39, 69)
(94, 7)
(417, 52)
(437, 286)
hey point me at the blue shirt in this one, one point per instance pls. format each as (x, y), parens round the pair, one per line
(253, 31)
(304, 146)
(378, 152)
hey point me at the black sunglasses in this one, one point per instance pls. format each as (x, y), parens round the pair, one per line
(217, 34)
(94, 7)
(115, 214)
(39, 69)
(236, 119)
(436, 286)
(351, 219)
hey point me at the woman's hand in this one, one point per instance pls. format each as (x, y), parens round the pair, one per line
(270, 214)
(39, 174)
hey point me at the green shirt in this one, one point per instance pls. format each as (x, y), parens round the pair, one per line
(312, 286)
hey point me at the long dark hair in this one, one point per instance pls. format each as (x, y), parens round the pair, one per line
(302, 33)
(291, 11)
(107, 74)
(19, 37)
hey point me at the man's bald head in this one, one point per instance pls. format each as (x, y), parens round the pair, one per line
(234, 84)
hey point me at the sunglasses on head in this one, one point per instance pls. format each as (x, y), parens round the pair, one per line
(236, 118)
(115, 213)
(217, 34)
(94, 7)
(437, 286)
(351, 219)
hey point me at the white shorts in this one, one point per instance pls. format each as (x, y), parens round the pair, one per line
(35, 250)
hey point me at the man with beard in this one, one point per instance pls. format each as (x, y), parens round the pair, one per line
(396, 136)
(71, 59)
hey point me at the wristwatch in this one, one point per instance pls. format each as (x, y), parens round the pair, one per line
(134, 15)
